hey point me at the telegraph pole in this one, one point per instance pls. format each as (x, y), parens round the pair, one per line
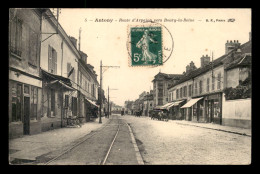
(108, 101)
(101, 73)
(100, 97)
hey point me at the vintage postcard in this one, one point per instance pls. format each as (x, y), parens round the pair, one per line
(129, 86)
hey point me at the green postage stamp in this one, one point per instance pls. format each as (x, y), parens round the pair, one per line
(146, 46)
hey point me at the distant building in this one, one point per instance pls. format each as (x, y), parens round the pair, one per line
(148, 103)
(161, 82)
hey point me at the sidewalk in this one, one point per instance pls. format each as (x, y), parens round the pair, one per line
(236, 130)
(29, 147)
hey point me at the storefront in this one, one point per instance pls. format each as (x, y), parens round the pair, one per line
(175, 111)
(59, 100)
(194, 106)
(213, 108)
(24, 109)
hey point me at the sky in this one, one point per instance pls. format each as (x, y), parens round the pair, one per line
(191, 38)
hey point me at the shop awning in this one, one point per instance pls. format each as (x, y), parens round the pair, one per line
(191, 102)
(162, 107)
(91, 102)
(48, 77)
(174, 104)
(57, 84)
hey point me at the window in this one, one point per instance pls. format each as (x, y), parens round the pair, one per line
(207, 84)
(26, 89)
(16, 102)
(52, 60)
(181, 93)
(66, 101)
(200, 86)
(72, 75)
(16, 36)
(196, 88)
(34, 101)
(80, 79)
(213, 83)
(185, 91)
(33, 47)
(190, 87)
(177, 93)
(219, 80)
(52, 102)
(74, 106)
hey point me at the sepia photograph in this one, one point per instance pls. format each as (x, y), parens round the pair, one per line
(130, 86)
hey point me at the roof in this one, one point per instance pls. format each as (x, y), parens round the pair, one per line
(167, 76)
(242, 61)
(245, 48)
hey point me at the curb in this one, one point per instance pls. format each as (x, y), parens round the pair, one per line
(137, 152)
(239, 133)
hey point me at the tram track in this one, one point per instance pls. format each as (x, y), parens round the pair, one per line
(79, 143)
(108, 152)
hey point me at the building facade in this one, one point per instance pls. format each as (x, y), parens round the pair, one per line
(161, 82)
(49, 78)
(25, 84)
(201, 91)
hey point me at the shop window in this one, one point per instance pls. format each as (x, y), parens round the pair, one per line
(34, 102)
(16, 102)
(16, 36)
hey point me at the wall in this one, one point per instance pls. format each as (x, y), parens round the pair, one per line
(236, 113)
(233, 78)
(203, 77)
(31, 21)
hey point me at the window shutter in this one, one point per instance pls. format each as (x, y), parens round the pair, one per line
(49, 58)
(55, 62)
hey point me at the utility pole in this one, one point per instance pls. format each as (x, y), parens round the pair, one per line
(101, 73)
(108, 101)
(100, 97)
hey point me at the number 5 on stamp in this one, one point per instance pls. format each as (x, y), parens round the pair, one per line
(146, 45)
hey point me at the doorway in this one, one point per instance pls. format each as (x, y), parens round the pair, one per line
(26, 117)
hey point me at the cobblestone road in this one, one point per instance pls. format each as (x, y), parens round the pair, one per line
(170, 143)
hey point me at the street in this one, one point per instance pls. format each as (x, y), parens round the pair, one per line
(173, 144)
(159, 143)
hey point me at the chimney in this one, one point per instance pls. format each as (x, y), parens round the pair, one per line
(73, 40)
(192, 66)
(231, 46)
(187, 69)
(204, 60)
